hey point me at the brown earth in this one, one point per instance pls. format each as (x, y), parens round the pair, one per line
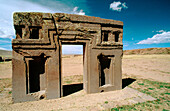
(72, 65)
(5, 53)
(147, 51)
(5, 70)
(152, 67)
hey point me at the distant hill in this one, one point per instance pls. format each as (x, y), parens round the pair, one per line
(147, 51)
(5, 53)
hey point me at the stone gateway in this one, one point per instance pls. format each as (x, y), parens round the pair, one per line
(37, 53)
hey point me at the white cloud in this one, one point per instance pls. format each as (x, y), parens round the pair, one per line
(164, 37)
(124, 5)
(72, 49)
(4, 41)
(117, 6)
(7, 7)
(125, 45)
(6, 28)
(6, 33)
(160, 31)
(1, 48)
(75, 11)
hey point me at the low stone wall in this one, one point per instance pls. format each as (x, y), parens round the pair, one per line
(4, 59)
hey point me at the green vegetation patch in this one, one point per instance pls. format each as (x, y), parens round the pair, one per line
(140, 83)
(10, 92)
(73, 79)
(4, 85)
(155, 89)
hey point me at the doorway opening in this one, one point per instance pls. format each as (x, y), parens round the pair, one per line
(36, 77)
(105, 69)
(72, 68)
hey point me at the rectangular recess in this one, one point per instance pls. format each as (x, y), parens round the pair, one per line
(34, 32)
(36, 75)
(18, 30)
(105, 69)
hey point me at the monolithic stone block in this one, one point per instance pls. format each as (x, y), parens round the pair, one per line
(37, 53)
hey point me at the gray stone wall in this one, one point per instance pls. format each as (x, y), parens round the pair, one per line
(37, 53)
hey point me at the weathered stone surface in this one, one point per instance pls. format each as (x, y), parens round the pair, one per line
(38, 46)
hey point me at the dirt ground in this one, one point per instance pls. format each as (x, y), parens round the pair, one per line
(72, 65)
(150, 67)
(5, 70)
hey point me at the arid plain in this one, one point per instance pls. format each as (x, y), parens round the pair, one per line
(147, 74)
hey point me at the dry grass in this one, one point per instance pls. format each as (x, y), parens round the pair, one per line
(148, 51)
(158, 90)
(146, 69)
(5, 53)
(154, 56)
(75, 79)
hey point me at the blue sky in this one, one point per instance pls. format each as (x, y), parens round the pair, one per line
(146, 22)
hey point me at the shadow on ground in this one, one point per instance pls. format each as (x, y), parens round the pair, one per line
(72, 88)
(127, 81)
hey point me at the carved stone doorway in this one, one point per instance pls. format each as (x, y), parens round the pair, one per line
(72, 68)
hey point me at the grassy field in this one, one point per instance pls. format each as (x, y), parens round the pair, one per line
(158, 90)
